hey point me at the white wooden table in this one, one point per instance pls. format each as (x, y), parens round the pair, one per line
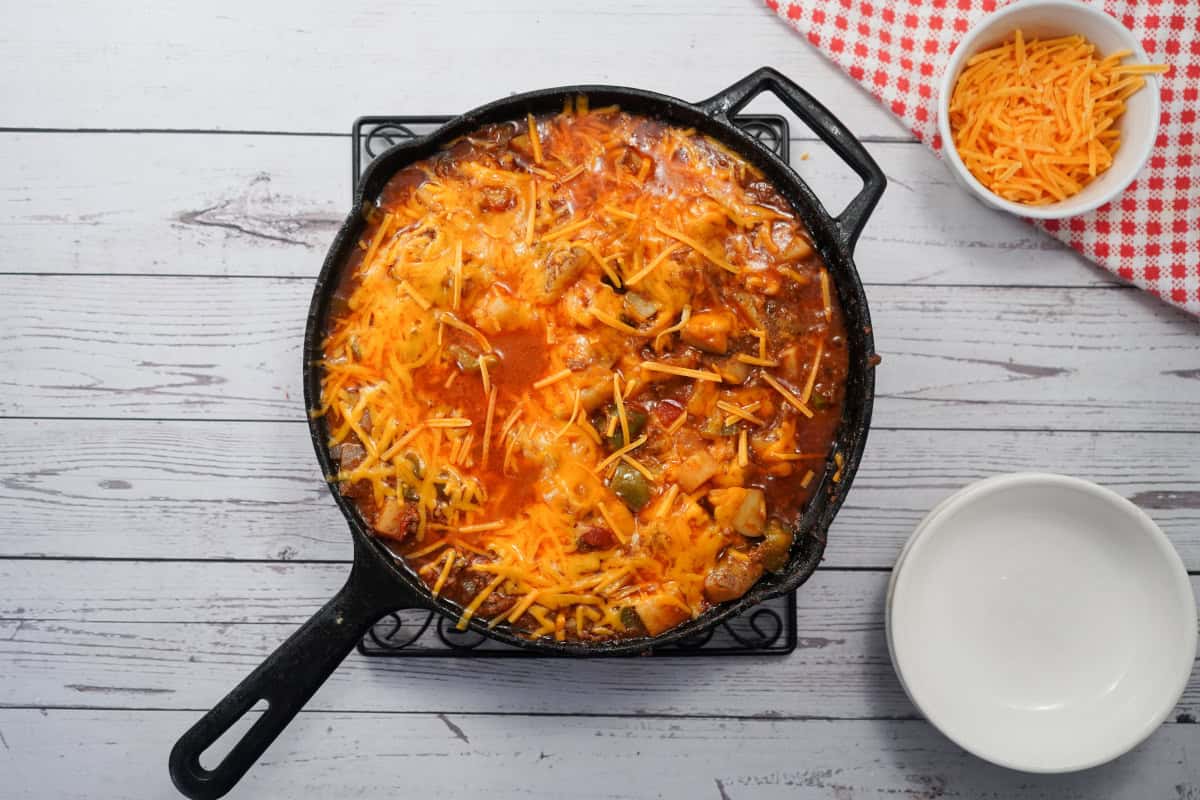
(170, 175)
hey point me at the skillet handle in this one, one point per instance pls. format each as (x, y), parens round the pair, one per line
(286, 680)
(724, 105)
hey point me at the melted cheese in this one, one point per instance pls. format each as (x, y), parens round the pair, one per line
(461, 280)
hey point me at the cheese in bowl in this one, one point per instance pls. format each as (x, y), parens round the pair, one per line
(1035, 122)
(583, 374)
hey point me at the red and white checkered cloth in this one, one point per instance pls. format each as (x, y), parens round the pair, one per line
(1150, 235)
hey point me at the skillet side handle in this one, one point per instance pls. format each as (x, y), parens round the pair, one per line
(853, 218)
(286, 681)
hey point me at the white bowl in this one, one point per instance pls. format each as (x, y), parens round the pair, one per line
(1041, 622)
(1043, 19)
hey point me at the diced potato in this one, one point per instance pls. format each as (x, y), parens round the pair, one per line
(639, 307)
(583, 351)
(798, 249)
(743, 510)
(714, 427)
(704, 395)
(395, 520)
(658, 613)
(696, 470)
(731, 475)
(734, 371)
(791, 363)
(708, 330)
(753, 306)
(597, 387)
(498, 311)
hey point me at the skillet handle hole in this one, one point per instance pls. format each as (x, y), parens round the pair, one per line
(215, 754)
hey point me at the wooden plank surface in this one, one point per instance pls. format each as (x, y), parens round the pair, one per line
(122, 754)
(268, 206)
(154, 416)
(314, 66)
(974, 357)
(196, 490)
(106, 634)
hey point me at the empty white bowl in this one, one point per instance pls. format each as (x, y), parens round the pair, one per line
(1041, 622)
(1044, 19)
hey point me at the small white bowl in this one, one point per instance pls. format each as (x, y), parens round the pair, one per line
(1041, 622)
(1043, 19)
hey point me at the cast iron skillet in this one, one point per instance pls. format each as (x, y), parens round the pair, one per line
(379, 584)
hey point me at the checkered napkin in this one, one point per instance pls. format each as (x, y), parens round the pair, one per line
(1150, 235)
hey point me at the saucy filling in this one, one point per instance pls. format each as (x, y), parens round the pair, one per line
(583, 372)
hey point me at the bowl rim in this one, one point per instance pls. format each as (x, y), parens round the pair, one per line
(1174, 569)
(950, 75)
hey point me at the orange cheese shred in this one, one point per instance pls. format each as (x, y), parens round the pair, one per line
(1033, 120)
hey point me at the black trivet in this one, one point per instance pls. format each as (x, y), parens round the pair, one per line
(769, 629)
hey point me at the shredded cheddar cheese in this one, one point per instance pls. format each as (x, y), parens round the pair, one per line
(756, 360)
(444, 574)
(535, 139)
(639, 466)
(571, 173)
(654, 262)
(613, 322)
(552, 379)
(739, 413)
(559, 233)
(787, 395)
(699, 248)
(487, 430)
(458, 275)
(667, 501)
(553, 375)
(619, 402)
(1036, 121)
(826, 299)
(470, 610)
(634, 445)
(671, 369)
(812, 373)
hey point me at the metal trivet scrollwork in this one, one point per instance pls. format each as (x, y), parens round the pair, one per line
(767, 629)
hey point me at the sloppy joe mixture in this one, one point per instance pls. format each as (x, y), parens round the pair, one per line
(582, 374)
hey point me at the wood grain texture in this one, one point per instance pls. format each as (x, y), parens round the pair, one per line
(214, 348)
(107, 634)
(192, 204)
(252, 490)
(171, 204)
(121, 754)
(105, 662)
(247, 66)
